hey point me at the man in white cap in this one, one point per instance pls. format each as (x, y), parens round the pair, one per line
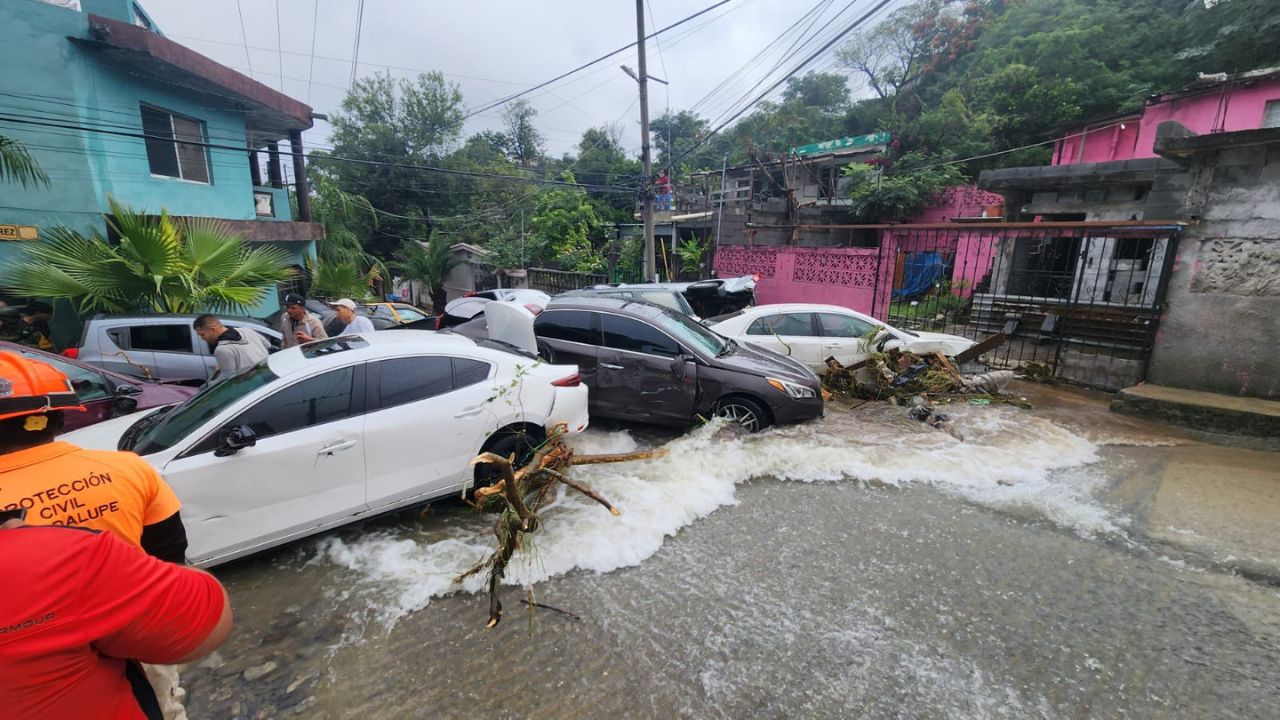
(355, 322)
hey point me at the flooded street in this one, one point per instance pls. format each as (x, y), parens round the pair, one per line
(1057, 562)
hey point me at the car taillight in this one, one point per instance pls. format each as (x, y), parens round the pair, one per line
(573, 380)
(470, 294)
(439, 321)
(533, 308)
(71, 352)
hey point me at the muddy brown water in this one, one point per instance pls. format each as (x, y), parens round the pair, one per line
(860, 566)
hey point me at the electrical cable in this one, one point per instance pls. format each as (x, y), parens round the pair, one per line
(311, 66)
(355, 51)
(597, 61)
(325, 157)
(810, 58)
(279, 47)
(345, 61)
(245, 37)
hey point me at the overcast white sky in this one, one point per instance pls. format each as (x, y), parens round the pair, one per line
(492, 48)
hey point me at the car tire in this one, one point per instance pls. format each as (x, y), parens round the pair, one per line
(744, 411)
(506, 442)
(546, 353)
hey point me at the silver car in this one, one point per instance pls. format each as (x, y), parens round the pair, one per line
(156, 347)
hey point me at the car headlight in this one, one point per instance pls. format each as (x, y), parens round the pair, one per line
(795, 390)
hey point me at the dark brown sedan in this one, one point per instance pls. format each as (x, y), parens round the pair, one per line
(104, 394)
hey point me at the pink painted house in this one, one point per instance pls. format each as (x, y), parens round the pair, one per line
(1215, 104)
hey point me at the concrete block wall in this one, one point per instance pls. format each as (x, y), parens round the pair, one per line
(1221, 320)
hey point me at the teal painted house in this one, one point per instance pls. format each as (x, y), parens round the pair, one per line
(111, 107)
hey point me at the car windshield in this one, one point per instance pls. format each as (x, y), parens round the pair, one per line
(182, 420)
(684, 329)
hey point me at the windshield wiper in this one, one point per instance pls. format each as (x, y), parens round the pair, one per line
(130, 437)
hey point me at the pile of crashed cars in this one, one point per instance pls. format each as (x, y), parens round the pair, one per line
(342, 429)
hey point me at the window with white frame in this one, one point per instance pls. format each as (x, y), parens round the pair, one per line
(1271, 115)
(175, 145)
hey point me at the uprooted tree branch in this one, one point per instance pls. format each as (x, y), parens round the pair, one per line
(518, 495)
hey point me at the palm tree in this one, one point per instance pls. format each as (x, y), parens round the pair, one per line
(17, 165)
(340, 280)
(347, 217)
(429, 265)
(158, 265)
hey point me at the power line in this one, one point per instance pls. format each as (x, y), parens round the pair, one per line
(737, 74)
(795, 49)
(245, 37)
(355, 52)
(345, 61)
(598, 60)
(311, 66)
(325, 157)
(810, 58)
(279, 47)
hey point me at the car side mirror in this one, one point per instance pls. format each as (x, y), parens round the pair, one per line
(677, 366)
(124, 399)
(233, 439)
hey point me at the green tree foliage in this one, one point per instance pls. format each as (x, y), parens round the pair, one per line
(690, 253)
(603, 162)
(899, 191)
(158, 265)
(396, 125)
(1232, 35)
(675, 133)
(429, 265)
(524, 142)
(566, 229)
(17, 165)
(347, 220)
(340, 280)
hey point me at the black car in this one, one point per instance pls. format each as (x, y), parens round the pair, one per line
(647, 363)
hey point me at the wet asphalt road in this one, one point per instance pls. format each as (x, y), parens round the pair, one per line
(803, 600)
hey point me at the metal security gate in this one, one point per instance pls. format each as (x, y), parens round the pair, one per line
(1078, 301)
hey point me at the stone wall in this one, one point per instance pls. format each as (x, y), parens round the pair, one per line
(1221, 322)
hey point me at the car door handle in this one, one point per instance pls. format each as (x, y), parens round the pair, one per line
(469, 413)
(337, 447)
(832, 345)
(610, 366)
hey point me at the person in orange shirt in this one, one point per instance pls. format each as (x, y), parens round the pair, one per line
(57, 483)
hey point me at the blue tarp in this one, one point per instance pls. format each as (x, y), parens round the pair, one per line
(921, 271)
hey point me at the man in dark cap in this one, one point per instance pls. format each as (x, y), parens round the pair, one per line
(298, 326)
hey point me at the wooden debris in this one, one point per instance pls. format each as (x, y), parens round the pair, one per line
(978, 350)
(518, 495)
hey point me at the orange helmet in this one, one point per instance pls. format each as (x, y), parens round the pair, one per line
(33, 387)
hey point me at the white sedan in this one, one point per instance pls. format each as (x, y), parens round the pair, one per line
(341, 429)
(813, 333)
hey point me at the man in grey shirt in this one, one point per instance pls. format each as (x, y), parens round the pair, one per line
(236, 349)
(298, 326)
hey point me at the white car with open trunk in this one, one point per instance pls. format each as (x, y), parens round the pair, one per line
(341, 429)
(812, 333)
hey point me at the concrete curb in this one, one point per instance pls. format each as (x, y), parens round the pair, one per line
(1206, 412)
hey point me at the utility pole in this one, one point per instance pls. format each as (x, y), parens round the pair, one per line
(646, 209)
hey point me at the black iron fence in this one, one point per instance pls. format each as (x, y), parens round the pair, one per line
(1077, 301)
(558, 281)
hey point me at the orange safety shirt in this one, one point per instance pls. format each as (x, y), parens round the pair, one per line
(61, 484)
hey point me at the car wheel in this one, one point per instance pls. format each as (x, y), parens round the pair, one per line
(743, 411)
(506, 443)
(546, 353)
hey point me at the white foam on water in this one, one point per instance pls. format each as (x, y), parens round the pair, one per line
(1009, 460)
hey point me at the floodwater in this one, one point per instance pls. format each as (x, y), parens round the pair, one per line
(861, 566)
